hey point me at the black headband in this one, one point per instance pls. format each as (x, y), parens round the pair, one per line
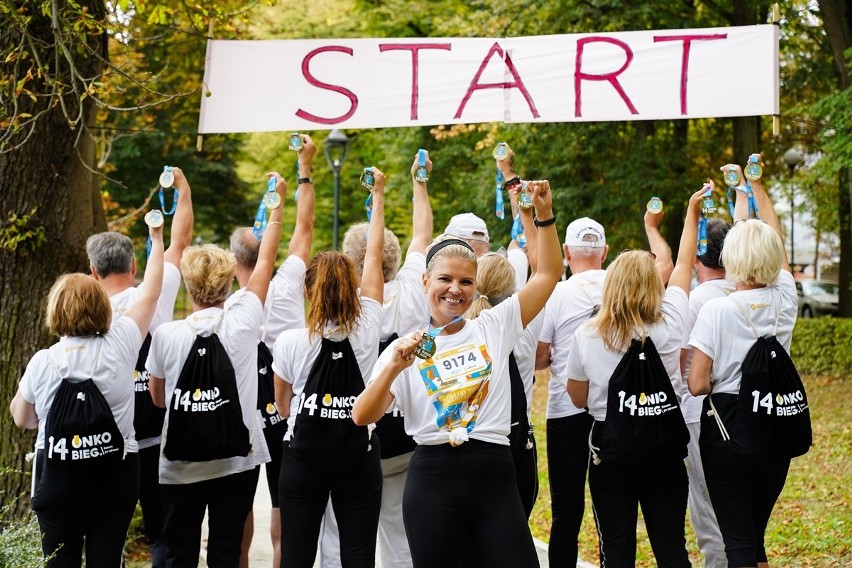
(444, 244)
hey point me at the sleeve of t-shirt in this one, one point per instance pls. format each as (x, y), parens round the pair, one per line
(535, 326)
(155, 363)
(786, 286)
(674, 309)
(168, 295)
(34, 371)
(690, 319)
(502, 326)
(574, 366)
(244, 317)
(413, 311)
(518, 259)
(548, 323)
(292, 273)
(705, 334)
(125, 339)
(365, 341)
(283, 355)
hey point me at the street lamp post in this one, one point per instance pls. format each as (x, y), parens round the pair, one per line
(336, 148)
(792, 158)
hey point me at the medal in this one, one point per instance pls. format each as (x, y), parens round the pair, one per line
(154, 218)
(732, 178)
(167, 178)
(501, 151)
(753, 169)
(421, 174)
(368, 180)
(426, 348)
(707, 204)
(655, 205)
(524, 198)
(295, 142)
(272, 200)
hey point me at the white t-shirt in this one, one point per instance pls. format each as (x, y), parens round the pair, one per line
(294, 353)
(405, 305)
(285, 301)
(462, 361)
(238, 333)
(568, 308)
(74, 358)
(519, 261)
(590, 361)
(164, 313)
(525, 354)
(724, 334)
(690, 406)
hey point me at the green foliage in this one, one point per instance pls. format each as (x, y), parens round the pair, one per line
(823, 346)
(20, 538)
(20, 232)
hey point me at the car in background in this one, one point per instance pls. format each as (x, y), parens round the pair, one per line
(817, 298)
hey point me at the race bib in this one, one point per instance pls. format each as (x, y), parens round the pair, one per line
(458, 380)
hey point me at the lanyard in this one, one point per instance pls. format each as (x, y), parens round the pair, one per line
(167, 178)
(260, 217)
(426, 348)
(436, 331)
(518, 232)
(498, 206)
(752, 202)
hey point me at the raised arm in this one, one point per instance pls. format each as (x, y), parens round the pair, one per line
(534, 295)
(422, 211)
(372, 278)
(303, 234)
(182, 222)
(659, 247)
(682, 273)
(142, 310)
(766, 210)
(258, 282)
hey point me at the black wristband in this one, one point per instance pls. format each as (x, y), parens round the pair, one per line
(546, 222)
(509, 183)
(305, 180)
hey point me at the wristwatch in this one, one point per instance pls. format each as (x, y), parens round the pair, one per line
(305, 180)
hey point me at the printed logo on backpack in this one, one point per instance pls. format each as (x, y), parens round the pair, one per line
(205, 420)
(274, 425)
(147, 418)
(323, 425)
(643, 417)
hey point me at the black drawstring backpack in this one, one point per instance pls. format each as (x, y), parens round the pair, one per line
(82, 442)
(274, 425)
(770, 416)
(205, 419)
(390, 429)
(521, 432)
(148, 418)
(323, 425)
(643, 417)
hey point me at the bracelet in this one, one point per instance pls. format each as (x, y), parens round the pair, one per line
(509, 183)
(274, 223)
(546, 222)
(305, 180)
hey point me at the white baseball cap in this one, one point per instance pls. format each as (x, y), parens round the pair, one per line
(467, 226)
(585, 232)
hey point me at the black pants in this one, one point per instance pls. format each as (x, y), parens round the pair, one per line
(227, 500)
(355, 487)
(618, 489)
(526, 471)
(96, 516)
(567, 463)
(462, 497)
(743, 492)
(151, 502)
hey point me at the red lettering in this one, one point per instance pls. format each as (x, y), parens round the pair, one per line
(579, 76)
(475, 85)
(684, 64)
(415, 49)
(306, 73)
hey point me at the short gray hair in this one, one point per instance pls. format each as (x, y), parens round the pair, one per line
(585, 252)
(110, 253)
(245, 246)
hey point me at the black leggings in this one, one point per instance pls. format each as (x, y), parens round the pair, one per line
(465, 496)
(355, 487)
(743, 492)
(567, 462)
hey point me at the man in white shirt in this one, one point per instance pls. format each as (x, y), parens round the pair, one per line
(112, 261)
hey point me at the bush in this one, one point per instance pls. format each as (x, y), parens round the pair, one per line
(20, 538)
(822, 346)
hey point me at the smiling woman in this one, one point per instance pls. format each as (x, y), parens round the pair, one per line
(457, 405)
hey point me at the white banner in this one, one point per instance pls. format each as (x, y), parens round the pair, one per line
(277, 85)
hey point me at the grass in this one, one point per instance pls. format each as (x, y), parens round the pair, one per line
(811, 525)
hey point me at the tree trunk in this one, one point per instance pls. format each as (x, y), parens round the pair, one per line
(49, 184)
(837, 22)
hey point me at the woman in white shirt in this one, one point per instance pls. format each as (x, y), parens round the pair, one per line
(743, 488)
(461, 491)
(319, 371)
(635, 305)
(86, 486)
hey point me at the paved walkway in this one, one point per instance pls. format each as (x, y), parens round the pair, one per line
(260, 555)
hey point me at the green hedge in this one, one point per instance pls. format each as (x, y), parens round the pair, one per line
(823, 346)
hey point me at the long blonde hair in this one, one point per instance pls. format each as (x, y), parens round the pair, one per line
(495, 281)
(631, 300)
